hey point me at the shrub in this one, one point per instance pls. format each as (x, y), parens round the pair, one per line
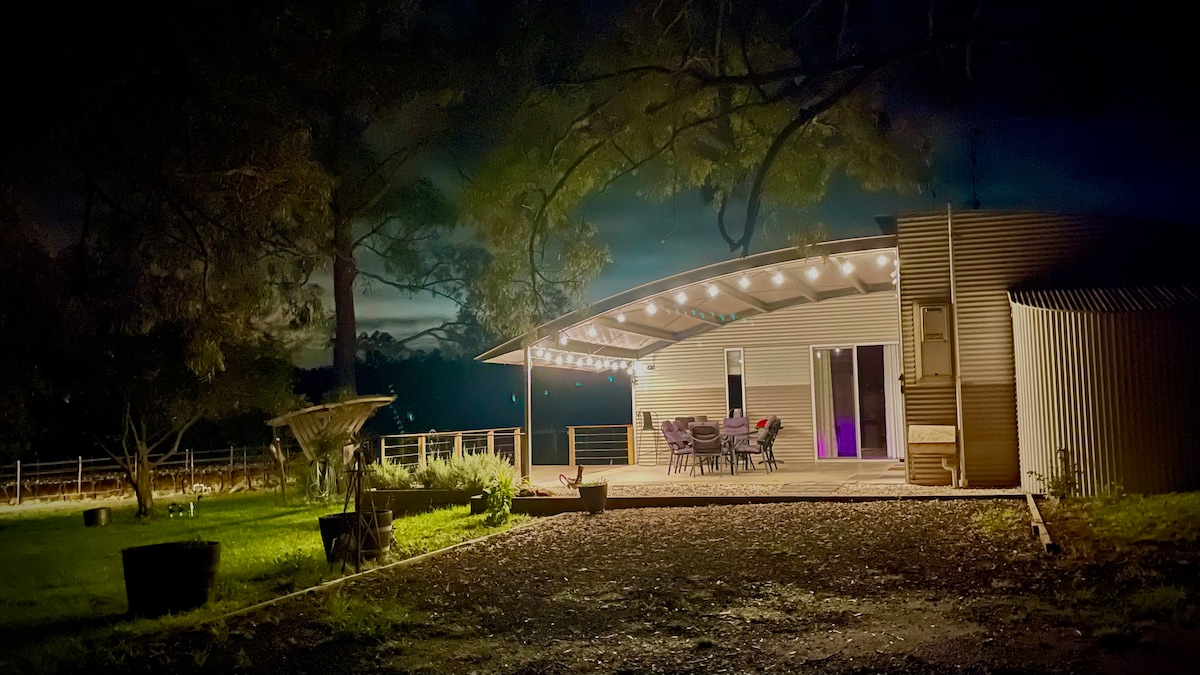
(472, 472)
(498, 497)
(389, 476)
(435, 474)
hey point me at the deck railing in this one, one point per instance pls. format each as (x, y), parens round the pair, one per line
(415, 450)
(600, 444)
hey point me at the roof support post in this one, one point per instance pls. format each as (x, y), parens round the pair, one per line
(525, 452)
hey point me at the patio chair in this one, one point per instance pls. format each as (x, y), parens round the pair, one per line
(679, 445)
(737, 431)
(706, 446)
(766, 443)
(648, 424)
(682, 423)
(701, 418)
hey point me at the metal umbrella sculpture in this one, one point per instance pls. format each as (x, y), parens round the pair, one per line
(320, 429)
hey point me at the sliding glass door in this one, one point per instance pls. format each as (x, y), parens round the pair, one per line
(856, 401)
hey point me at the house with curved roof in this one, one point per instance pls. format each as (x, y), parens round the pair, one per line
(892, 348)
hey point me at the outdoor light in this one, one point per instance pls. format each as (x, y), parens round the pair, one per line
(629, 372)
(652, 309)
(620, 317)
(847, 268)
(681, 297)
(540, 352)
(591, 331)
(558, 359)
(571, 358)
(813, 273)
(587, 361)
(623, 365)
(712, 291)
(778, 278)
(549, 356)
(744, 282)
(881, 260)
(562, 339)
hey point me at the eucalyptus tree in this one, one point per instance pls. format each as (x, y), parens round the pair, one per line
(758, 102)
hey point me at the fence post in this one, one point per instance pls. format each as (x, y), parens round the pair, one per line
(191, 459)
(629, 443)
(421, 451)
(458, 453)
(18, 482)
(570, 446)
(491, 441)
(245, 469)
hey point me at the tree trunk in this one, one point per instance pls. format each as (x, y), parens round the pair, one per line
(143, 482)
(345, 336)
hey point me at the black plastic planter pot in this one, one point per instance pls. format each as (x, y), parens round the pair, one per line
(593, 497)
(340, 533)
(171, 577)
(97, 517)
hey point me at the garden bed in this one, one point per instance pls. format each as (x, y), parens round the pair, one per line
(417, 500)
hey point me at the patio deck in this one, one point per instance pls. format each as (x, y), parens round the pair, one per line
(643, 486)
(791, 479)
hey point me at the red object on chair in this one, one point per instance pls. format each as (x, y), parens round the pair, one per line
(762, 424)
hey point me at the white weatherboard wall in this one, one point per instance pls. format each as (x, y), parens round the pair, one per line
(688, 378)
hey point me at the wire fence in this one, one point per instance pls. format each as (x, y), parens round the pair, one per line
(188, 471)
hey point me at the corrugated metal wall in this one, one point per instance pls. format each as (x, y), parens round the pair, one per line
(1117, 390)
(688, 378)
(993, 251)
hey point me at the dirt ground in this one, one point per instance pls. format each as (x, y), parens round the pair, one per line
(884, 587)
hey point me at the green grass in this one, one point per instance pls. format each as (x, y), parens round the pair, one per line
(1145, 518)
(64, 579)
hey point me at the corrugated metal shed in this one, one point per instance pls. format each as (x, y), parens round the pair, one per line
(1108, 382)
(1134, 299)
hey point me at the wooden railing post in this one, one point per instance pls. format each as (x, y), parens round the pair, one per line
(571, 446)
(79, 479)
(421, 451)
(491, 442)
(519, 447)
(18, 482)
(458, 452)
(629, 443)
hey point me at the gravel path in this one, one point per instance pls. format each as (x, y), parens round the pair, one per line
(899, 587)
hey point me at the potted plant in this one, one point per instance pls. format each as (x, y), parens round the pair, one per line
(171, 577)
(593, 495)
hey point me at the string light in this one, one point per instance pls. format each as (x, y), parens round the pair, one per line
(813, 273)
(881, 260)
(559, 359)
(777, 278)
(651, 309)
(744, 282)
(623, 365)
(571, 358)
(847, 268)
(620, 317)
(562, 339)
(540, 352)
(713, 290)
(591, 331)
(681, 297)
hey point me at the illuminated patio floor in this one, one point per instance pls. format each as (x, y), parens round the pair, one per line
(794, 478)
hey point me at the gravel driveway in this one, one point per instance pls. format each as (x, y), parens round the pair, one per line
(896, 587)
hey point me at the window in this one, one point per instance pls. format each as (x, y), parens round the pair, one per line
(735, 381)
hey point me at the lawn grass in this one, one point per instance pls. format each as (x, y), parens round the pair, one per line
(65, 580)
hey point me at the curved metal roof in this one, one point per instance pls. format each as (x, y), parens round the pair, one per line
(1123, 299)
(638, 322)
